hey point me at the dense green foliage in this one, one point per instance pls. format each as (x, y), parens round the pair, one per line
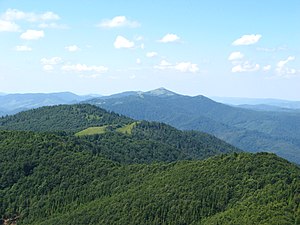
(249, 130)
(121, 171)
(55, 179)
(119, 138)
(72, 118)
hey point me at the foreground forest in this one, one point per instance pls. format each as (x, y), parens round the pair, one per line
(134, 172)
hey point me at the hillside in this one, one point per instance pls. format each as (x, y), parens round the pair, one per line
(69, 118)
(249, 130)
(54, 180)
(117, 137)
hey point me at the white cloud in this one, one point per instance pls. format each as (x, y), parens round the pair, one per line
(118, 21)
(186, 67)
(84, 68)
(281, 68)
(8, 26)
(235, 56)
(151, 54)
(15, 14)
(72, 48)
(245, 67)
(138, 61)
(249, 39)
(22, 48)
(122, 42)
(181, 66)
(267, 68)
(169, 38)
(165, 63)
(51, 61)
(48, 68)
(282, 63)
(32, 35)
(49, 16)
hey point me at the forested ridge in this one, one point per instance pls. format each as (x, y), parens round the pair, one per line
(249, 130)
(135, 173)
(46, 179)
(69, 118)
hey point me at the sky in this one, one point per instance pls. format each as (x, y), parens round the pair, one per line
(215, 48)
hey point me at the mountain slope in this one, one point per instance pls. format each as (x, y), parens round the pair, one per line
(56, 181)
(249, 130)
(121, 139)
(69, 118)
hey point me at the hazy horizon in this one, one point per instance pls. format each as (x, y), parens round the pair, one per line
(245, 49)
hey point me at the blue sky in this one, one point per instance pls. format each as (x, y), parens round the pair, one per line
(214, 48)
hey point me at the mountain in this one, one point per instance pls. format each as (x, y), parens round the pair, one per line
(280, 103)
(13, 103)
(157, 92)
(53, 179)
(249, 130)
(79, 164)
(118, 137)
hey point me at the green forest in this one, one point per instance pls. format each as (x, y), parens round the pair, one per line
(134, 172)
(249, 130)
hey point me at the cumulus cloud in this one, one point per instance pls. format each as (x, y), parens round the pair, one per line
(281, 68)
(84, 68)
(8, 26)
(267, 68)
(169, 38)
(186, 67)
(122, 42)
(51, 61)
(118, 21)
(163, 65)
(249, 39)
(32, 35)
(22, 48)
(245, 67)
(72, 48)
(235, 56)
(15, 14)
(181, 66)
(151, 54)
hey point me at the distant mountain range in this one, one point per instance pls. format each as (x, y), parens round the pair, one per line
(261, 103)
(13, 103)
(249, 130)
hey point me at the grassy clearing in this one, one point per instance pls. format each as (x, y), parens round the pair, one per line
(92, 130)
(127, 129)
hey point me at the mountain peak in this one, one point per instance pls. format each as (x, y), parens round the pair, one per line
(160, 92)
